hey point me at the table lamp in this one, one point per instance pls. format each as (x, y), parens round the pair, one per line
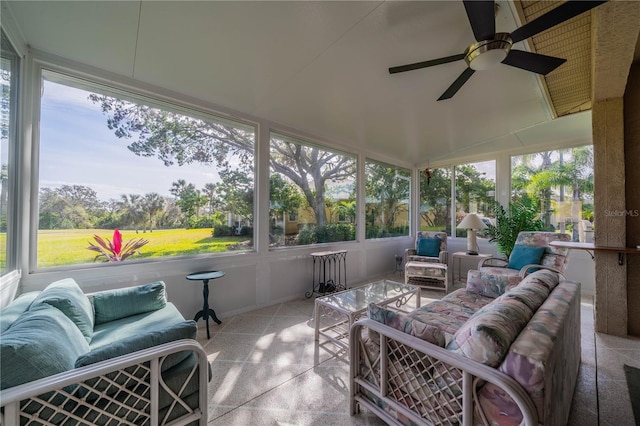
(471, 222)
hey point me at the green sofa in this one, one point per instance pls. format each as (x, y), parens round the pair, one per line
(124, 356)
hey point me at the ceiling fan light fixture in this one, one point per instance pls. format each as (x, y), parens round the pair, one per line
(485, 54)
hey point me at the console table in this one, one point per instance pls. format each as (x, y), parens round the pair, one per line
(329, 272)
(590, 248)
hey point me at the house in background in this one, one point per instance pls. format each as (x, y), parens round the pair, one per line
(316, 74)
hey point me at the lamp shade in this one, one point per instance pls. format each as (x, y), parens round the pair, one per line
(471, 221)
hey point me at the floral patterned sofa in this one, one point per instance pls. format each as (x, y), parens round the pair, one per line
(489, 356)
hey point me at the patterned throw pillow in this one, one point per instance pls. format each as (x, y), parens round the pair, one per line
(407, 325)
(488, 334)
(549, 279)
(492, 282)
(531, 294)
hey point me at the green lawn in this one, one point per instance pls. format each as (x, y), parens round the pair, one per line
(3, 253)
(69, 247)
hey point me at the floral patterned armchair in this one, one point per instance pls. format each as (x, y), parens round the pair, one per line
(412, 254)
(501, 272)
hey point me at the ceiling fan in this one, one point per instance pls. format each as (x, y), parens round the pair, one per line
(492, 48)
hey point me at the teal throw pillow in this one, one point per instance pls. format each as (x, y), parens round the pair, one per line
(111, 305)
(40, 343)
(10, 313)
(525, 255)
(67, 296)
(429, 247)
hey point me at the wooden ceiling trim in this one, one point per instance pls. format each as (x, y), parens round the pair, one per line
(569, 87)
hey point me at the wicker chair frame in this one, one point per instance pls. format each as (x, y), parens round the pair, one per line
(123, 390)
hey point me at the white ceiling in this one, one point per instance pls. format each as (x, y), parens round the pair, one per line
(319, 67)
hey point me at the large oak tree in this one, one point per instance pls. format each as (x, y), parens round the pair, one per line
(179, 139)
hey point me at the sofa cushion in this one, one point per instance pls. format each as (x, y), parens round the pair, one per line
(114, 331)
(429, 247)
(137, 342)
(525, 255)
(67, 296)
(445, 316)
(488, 334)
(13, 310)
(120, 303)
(467, 299)
(405, 324)
(41, 342)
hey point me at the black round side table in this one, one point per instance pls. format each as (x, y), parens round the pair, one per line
(206, 312)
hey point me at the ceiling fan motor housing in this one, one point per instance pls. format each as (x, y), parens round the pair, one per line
(484, 54)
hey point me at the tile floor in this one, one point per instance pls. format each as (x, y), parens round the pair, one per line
(269, 370)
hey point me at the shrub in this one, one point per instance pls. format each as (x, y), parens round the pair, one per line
(222, 231)
(333, 232)
(375, 231)
(202, 222)
(246, 231)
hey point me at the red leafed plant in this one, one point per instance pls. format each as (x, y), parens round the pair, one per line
(115, 251)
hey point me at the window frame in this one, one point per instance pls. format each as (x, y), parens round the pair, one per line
(14, 147)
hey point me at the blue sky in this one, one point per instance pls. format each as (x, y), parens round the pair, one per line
(76, 147)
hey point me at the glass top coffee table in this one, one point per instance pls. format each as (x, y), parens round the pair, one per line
(338, 311)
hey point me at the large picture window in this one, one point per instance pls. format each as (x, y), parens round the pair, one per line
(9, 63)
(318, 185)
(559, 185)
(387, 194)
(172, 181)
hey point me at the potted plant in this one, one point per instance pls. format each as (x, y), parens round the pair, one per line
(521, 215)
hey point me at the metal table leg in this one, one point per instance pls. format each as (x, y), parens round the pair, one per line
(206, 312)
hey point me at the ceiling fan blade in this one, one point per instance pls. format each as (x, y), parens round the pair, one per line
(460, 81)
(481, 14)
(534, 62)
(425, 64)
(562, 13)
